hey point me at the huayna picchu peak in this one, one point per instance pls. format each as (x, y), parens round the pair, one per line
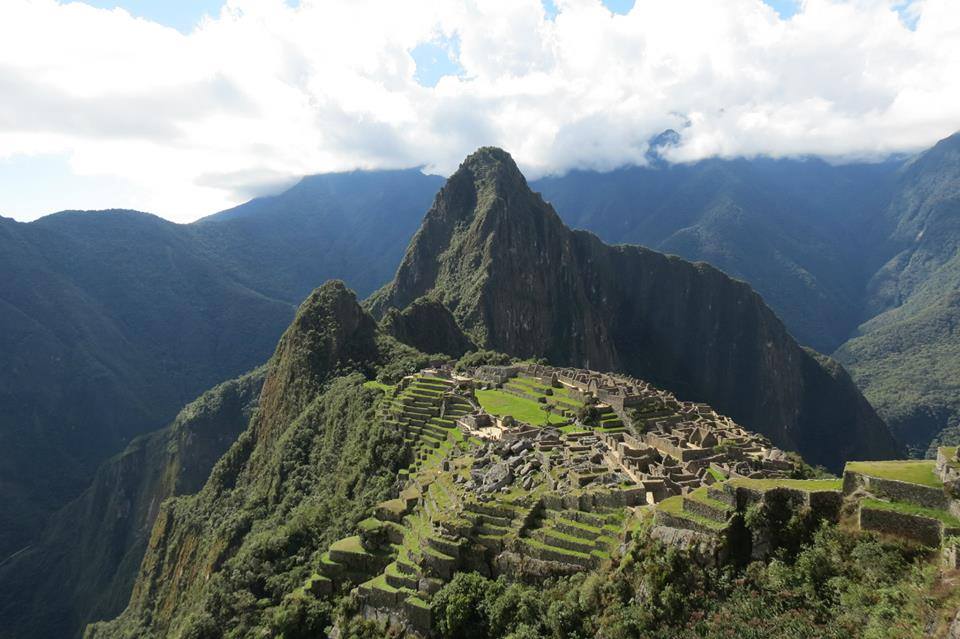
(518, 281)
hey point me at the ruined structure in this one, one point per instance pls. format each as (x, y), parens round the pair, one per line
(530, 471)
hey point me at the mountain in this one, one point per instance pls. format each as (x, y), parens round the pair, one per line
(351, 226)
(906, 356)
(859, 260)
(83, 567)
(519, 281)
(428, 326)
(313, 460)
(792, 228)
(340, 510)
(111, 321)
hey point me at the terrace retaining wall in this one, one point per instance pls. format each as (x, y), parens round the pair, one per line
(926, 496)
(923, 530)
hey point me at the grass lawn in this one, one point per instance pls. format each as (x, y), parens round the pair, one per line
(386, 388)
(497, 402)
(910, 509)
(809, 485)
(912, 471)
(674, 506)
(349, 544)
(716, 474)
(701, 495)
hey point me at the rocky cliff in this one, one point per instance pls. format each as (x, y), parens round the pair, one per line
(428, 326)
(518, 280)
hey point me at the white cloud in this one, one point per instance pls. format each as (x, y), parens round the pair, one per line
(265, 91)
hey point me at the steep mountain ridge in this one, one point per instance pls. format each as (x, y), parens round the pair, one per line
(793, 228)
(109, 324)
(519, 281)
(906, 356)
(84, 566)
(311, 461)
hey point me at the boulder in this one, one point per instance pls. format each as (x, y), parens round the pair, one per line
(500, 475)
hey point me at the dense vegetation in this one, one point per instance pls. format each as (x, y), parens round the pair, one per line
(84, 566)
(840, 585)
(907, 357)
(110, 322)
(313, 462)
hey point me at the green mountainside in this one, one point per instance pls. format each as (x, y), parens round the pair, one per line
(83, 567)
(111, 321)
(350, 226)
(519, 281)
(313, 460)
(906, 357)
(428, 326)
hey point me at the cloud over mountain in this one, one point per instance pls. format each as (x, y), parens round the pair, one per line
(268, 90)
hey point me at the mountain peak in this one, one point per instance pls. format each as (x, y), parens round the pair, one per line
(330, 334)
(518, 281)
(491, 167)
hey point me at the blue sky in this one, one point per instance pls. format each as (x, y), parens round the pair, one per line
(182, 15)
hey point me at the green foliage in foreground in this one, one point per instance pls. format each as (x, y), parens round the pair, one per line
(840, 585)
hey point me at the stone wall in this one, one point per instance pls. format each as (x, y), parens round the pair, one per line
(923, 530)
(926, 496)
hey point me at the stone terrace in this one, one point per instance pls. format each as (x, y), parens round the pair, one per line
(530, 471)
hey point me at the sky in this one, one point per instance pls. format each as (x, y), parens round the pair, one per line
(185, 107)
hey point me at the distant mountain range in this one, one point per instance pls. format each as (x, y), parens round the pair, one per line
(111, 321)
(493, 265)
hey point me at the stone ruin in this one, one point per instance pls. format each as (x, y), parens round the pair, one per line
(667, 448)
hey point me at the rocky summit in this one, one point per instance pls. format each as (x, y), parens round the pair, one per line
(518, 281)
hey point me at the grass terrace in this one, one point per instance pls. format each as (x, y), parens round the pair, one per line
(386, 388)
(911, 509)
(921, 472)
(497, 402)
(808, 485)
(674, 506)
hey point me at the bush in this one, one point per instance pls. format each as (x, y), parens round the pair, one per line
(482, 358)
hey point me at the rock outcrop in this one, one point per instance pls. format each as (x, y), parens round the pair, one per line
(428, 326)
